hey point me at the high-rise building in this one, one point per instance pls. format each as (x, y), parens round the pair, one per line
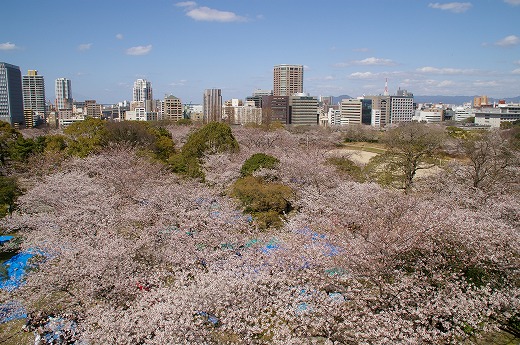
(303, 110)
(351, 111)
(275, 109)
(63, 91)
(288, 80)
(212, 106)
(171, 108)
(33, 87)
(11, 95)
(382, 105)
(142, 95)
(401, 109)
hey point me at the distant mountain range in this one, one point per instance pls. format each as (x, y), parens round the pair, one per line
(458, 100)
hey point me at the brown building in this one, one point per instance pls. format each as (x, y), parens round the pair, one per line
(275, 108)
(287, 80)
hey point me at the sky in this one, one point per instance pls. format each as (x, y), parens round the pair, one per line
(348, 47)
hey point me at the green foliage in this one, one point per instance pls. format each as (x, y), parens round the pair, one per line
(186, 165)
(266, 201)
(348, 167)
(9, 191)
(470, 119)
(258, 161)
(184, 122)
(22, 148)
(215, 137)
(86, 137)
(132, 133)
(8, 136)
(456, 132)
(55, 143)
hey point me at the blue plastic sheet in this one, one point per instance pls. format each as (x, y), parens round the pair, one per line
(16, 268)
(12, 310)
(4, 239)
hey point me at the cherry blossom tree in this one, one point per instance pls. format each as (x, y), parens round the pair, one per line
(134, 254)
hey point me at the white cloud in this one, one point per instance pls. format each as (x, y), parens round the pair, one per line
(363, 75)
(486, 83)
(186, 4)
(211, 15)
(139, 50)
(119, 36)
(435, 70)
(8, 46)
(510, 40)
(455, 7)
(516, 71)
(374, 61)
(513, 2)
(84, 46)
(371, 61)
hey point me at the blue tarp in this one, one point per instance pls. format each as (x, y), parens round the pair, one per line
(4, 239)
(12, 310)
(16, 268)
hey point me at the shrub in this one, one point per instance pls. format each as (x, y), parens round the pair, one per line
(258, 161)
(215, 137)
(266, 201)
(9, 191)
(86, 137)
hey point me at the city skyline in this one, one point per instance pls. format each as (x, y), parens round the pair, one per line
(183, 48)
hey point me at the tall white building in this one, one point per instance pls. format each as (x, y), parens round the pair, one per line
(142, 95)
(63, 91)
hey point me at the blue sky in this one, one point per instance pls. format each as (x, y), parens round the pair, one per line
(347, 47)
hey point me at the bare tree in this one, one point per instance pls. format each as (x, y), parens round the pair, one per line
(410, 147)
(489, 156)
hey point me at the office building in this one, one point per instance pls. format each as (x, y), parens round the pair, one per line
(92, 109)
(172, 109)
(380, 103)
(212, 105)
(258, 95)
(303, 110)
(495, 116)
(401, 109)
(288, 80)
(275, 109)
(350, 111)
(11, 95)
(63, 91)
(33, 87)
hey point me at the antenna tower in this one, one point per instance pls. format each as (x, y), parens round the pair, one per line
(386, 87)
